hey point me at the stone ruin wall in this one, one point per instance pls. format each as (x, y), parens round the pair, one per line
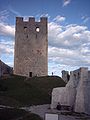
(5, 69)
(76, 93)
(83, 92)
(31, 47)
(65, 76)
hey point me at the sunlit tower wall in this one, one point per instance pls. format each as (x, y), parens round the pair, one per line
(31, 47)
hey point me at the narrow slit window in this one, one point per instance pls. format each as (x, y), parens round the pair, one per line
(27, 36)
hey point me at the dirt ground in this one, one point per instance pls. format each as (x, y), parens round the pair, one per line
(41, 110)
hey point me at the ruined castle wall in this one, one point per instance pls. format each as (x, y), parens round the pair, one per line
(76, 93)
(74, 78)
(88, 75)
(5, 69)
(31, 47)
(83, 94)
(65, 76)
(0, 72)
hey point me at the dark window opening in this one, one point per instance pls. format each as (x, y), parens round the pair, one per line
(30, 74)
(27, 36)
(25, 28)
(78, 75)
(68, 77)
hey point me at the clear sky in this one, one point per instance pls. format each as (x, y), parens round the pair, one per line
(68, 31)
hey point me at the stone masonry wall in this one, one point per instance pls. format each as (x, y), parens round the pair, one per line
(31, 47)
(76, 93)
(65, 76)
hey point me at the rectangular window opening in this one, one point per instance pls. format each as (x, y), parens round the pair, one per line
(30, 74)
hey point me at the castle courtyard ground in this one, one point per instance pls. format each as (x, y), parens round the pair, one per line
(41, 110)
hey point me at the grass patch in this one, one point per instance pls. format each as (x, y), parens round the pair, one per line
(8, 114)
(17, 114)
(33, 91)
(31, 116)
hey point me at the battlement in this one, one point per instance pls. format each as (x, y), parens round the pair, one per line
(31, 20)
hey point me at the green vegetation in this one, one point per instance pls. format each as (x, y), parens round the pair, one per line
(19, 91)
(31, 116)
(17, 114)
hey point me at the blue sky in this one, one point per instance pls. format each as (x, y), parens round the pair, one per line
(68, 31)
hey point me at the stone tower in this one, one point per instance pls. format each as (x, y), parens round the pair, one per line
(65, 76)
(31, 47)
